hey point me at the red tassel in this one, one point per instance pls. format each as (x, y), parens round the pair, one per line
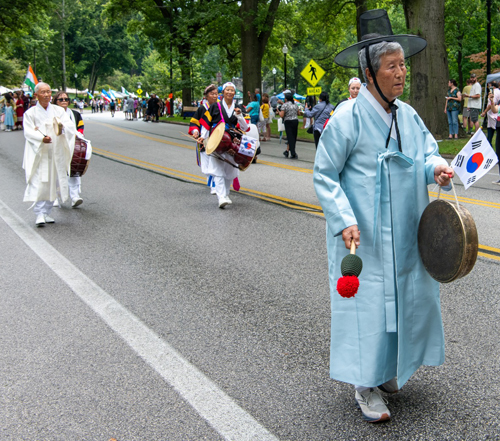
(347, 286)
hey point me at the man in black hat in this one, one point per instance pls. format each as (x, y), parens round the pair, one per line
(374, 162)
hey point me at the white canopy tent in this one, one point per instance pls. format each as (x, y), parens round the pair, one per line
(4, 90)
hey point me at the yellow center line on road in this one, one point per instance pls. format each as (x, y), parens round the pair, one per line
(191, 147)
(465, 200)
(315, 209)
(286, 202)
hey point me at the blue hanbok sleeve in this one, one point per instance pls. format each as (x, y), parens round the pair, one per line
(334, 148)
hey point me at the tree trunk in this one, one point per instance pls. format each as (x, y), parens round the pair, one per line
(51, 72)
(429, 69)
(460, 58)
(254, 42)
(251, 58)
(185, 67)
(63, 51)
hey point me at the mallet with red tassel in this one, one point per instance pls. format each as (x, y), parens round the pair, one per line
(351, 266)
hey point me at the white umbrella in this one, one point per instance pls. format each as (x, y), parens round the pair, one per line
(4, 90)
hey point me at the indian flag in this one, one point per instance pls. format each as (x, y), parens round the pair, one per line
(30, 79)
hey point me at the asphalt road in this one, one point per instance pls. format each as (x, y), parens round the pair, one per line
(149, 313)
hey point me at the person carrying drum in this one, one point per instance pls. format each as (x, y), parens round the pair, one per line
(61, 99)
(374, 162)
(223, 169)
(50, 141)
(210, 97)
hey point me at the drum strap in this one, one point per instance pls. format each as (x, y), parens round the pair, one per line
(221, 114)
(220, 158)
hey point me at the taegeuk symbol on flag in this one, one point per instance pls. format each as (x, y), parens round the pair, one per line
(475, 160)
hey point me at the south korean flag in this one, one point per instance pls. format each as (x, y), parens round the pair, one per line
(474, 160)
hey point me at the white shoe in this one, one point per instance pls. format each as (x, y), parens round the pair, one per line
(40, 220)
(223, 202)
(229, 201)
(373, 405)
(75, 202)
(56, 203)
(48, 219)
(496, 182)
(212, 190)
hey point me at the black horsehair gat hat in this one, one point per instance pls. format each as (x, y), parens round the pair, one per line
(376, 27)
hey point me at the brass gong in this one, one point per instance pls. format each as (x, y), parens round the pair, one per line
(447, 241)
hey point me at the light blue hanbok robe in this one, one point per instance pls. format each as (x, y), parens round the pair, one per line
(393, 325)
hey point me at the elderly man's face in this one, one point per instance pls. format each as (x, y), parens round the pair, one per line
(392, 75)
(44, 95)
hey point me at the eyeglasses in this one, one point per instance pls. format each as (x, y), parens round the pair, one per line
(62, 99)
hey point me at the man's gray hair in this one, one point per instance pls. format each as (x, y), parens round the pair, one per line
(376, 52)
(39, 85)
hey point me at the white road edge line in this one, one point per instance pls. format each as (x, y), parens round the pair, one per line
(214, 405)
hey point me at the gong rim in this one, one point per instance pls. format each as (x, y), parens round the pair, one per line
(447, 241)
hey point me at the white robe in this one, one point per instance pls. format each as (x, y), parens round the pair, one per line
(47, 165)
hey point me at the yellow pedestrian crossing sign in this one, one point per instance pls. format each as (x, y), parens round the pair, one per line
(312, 73)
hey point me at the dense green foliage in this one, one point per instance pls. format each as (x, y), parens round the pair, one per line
(171, 45)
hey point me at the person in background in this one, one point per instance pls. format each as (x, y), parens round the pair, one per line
(112, 108)
(320, 112)
(474, 103)
(488, 112)
(256, 94)
(26, 99)
(265, 126)
(8, 116)
(129, 113)
(494, 104)
(273, 102)
(354, 87)
(309, 104)
(61, 99)
(19, 104)
(253, 109)
(466, 122)
(452, 107)
(289, 111)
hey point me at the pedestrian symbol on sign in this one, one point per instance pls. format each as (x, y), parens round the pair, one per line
(312, 73)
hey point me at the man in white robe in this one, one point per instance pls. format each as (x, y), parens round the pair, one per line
(47, 155)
